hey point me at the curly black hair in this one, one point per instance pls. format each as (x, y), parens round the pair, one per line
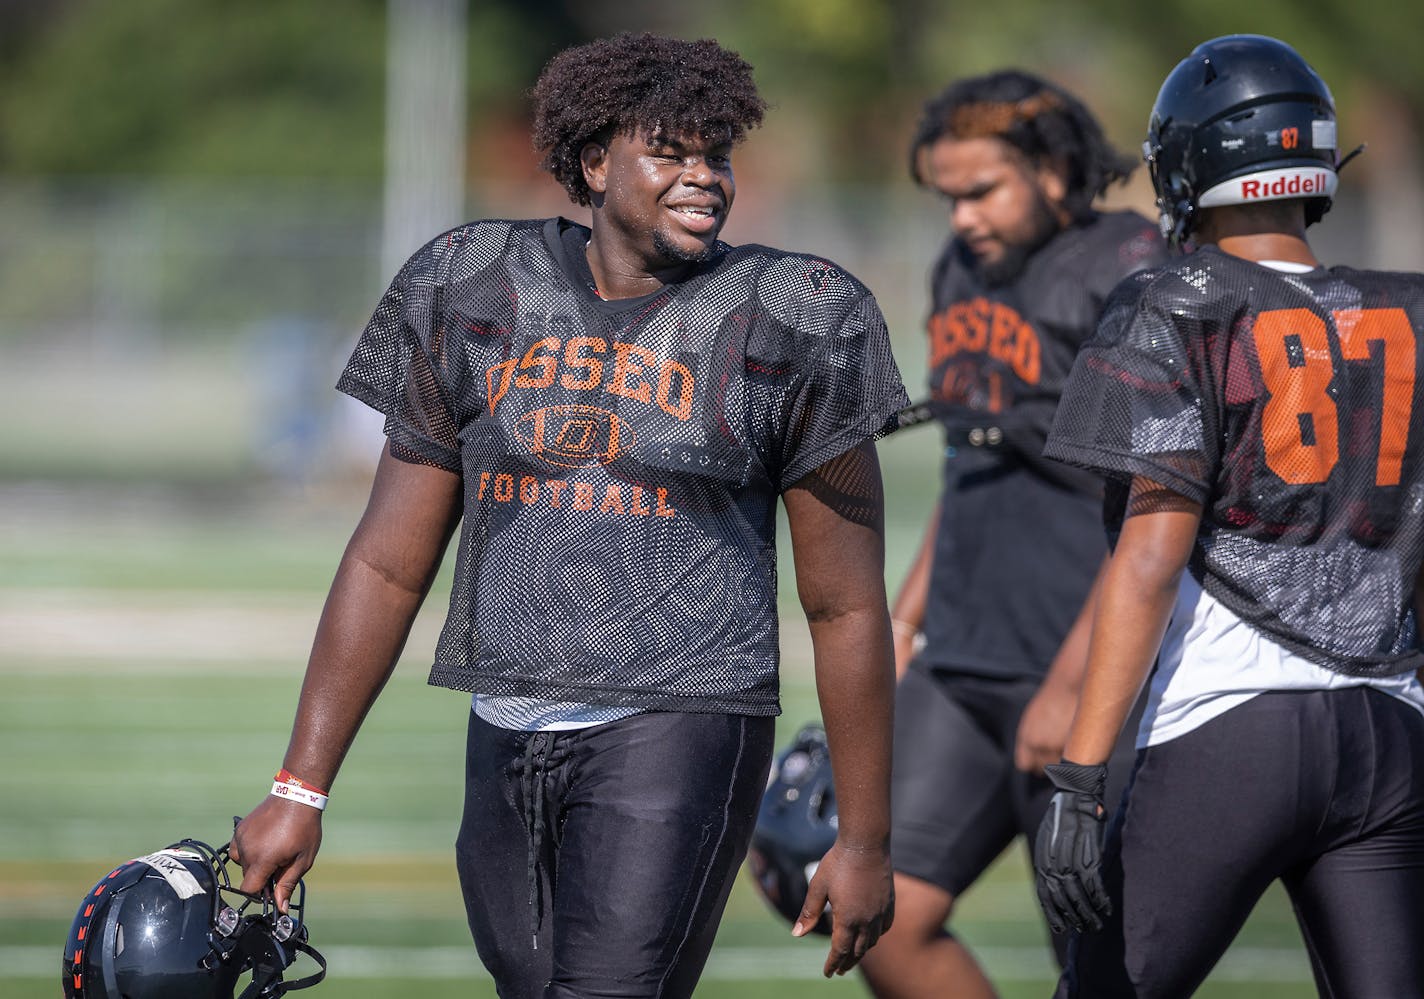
(1044, 122)
(638, 82)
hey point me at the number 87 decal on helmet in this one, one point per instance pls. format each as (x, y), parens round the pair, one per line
(1249, 121)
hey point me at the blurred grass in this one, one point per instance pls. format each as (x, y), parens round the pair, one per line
(124, 758)
(125, 751)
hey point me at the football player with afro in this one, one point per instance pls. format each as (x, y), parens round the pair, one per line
(1258, 413)
(610, 416)
(997, 598)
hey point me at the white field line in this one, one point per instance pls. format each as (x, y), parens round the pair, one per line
(163, 628)
(45, 630)
(728, 964)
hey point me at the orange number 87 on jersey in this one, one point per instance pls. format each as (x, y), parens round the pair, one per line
(1301, 422)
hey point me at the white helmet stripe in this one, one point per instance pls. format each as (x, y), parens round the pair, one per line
(169, 863)
(1272, 185)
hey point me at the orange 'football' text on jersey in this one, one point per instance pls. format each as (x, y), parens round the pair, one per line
(583, 363)
(982, 326)
(563, 494)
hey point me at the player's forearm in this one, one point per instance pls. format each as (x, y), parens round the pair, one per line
(913, 594)
(836, 516)
(358, 641)
(1070, 663)
(1134, 603)
(855, 687)
(383, 577)
(1118, 663)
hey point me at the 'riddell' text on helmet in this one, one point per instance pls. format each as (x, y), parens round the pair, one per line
(1242, 119)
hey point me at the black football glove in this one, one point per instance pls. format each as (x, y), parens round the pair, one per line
(1067, 854)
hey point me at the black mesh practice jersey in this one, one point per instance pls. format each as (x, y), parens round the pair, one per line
(1019, 537)
(999, 355)
(1288, 405)
(621, 459)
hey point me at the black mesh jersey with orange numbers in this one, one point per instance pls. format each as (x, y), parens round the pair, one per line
(621, 460)
(1290, 407)
(1019, 538)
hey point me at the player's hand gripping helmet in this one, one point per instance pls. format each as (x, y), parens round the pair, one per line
(1242, 119)
(796, 825)
(171, 926)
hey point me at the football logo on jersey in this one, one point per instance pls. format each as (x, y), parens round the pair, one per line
(574, 436)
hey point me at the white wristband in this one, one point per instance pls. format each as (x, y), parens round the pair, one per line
(295, 792)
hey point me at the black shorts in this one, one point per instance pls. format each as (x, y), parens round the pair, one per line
(1323, 790)
(958, 800)
(598, 861)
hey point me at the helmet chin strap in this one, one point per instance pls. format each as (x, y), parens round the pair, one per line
(1176, 225)
(1349, 156)
(263, 941)
(267, 980)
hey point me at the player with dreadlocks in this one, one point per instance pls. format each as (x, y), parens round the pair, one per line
(614, 412)
(990, 623)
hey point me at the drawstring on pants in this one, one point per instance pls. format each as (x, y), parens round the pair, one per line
(536, 758)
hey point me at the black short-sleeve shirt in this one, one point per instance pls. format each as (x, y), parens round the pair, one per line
(1020, 537)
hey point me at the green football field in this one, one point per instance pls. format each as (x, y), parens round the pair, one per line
(149, 664)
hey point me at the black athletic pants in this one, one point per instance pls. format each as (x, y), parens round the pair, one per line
(597, 862)
(957, 799)
(1321, 789)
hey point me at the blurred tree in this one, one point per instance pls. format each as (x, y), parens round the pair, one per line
(201, 86)
(182, 86)
(831, 64)
(22, 20)
(509, 42)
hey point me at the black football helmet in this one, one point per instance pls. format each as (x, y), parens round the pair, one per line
(171, 926)
(796, 825)
(1242, 119)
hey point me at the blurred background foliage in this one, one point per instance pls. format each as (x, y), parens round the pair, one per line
(196, 195)
(195, 221)
(184, 87)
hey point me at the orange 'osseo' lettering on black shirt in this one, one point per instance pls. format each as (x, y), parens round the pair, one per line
(971, 343)
(583, 363)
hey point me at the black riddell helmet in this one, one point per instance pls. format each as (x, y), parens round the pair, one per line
(796, 825)
(171, 926)
(1242, 119)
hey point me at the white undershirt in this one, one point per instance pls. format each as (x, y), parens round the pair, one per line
(1211, 661)
(1288, 266)
(530, 714)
